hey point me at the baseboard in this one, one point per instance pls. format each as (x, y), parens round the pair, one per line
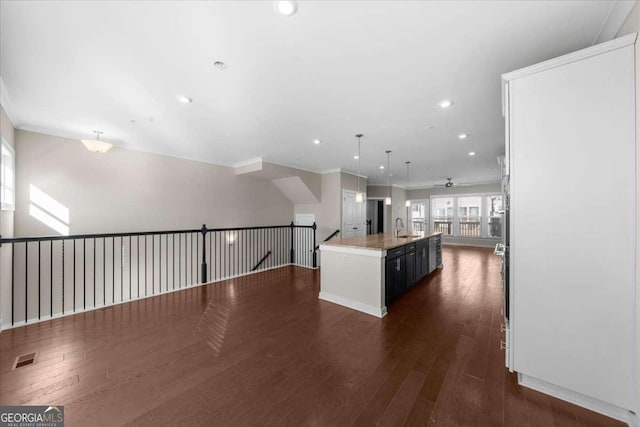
(346, 302)
(590, 403)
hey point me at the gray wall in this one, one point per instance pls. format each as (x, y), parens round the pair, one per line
(397, 208)
(126, 190)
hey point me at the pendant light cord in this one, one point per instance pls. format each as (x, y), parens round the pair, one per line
(358, 177)
(388, 173)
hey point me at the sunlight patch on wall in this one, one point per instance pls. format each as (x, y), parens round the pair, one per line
(48, 210)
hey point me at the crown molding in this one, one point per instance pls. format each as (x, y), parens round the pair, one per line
(286, 165)
(571, 57)
(470, 184)
(247, 162)
(402, 187)
(338, 170)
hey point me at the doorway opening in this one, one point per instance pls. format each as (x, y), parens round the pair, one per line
(375, 216)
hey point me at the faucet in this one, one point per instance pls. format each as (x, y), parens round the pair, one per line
(399, 220)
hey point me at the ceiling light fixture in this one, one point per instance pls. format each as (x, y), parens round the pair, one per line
(359, 195)
(463, 136)
(95, 145)
(286, 8)
(472, 153)
(220, 65)
(381, 167)
(408, 202)
(316, 141)
(356, 157)
(387, 200)
(184, 99)
(445, 103)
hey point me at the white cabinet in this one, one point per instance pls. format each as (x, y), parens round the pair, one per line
(572, 183)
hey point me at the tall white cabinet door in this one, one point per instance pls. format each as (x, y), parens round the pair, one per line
(573, 192)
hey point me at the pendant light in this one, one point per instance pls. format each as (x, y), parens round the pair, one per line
(387, 200)
(95, 145)
(359, 195)
(408, 202)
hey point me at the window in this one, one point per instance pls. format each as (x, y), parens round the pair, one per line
(469, 219)
(468, 215)
(7, 177)
(494, 213)
(418, 218)
(442, 215)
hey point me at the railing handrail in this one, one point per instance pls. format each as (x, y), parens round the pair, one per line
(261, 261)
(139, 233)
(331, 236)
(78, 264)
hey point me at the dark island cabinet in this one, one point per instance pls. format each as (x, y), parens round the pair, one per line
(411, 267)
(422, 258)
(395, 277)
(407, 265)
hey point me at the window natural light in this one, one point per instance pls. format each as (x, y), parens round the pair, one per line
(48, 210)
(7, 177)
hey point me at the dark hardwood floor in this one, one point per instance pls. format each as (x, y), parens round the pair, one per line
(263, 350)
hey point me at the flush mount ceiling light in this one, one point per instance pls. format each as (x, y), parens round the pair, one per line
(359, 195)
(95, 145)
(463, 136)
(445, 103)
(381, 167)
(286, 8)
(220, 65)
(387, 200)
(316, 141)
(408, 202)
(356, 157)
(472, 153)
(184, 99)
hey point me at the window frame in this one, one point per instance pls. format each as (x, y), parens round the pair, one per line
(484, 227)
(4, 204)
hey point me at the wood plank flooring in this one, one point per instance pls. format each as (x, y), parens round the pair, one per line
(263, 350)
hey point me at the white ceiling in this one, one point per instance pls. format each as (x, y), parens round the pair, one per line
(332, 70)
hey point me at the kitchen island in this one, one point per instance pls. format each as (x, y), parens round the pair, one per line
(368, 273)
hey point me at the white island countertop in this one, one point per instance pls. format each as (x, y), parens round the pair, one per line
(379, 242)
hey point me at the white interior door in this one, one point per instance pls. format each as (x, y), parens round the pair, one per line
(353, 215)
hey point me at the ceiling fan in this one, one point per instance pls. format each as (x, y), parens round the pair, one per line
(450, 184)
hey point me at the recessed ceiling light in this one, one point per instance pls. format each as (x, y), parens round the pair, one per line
(286, 8)
(355, 157)
(463, 136)
(220, 65)
(445, 103)
(185, 99)
(381, 167)
(472, 153)
(316, 141)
